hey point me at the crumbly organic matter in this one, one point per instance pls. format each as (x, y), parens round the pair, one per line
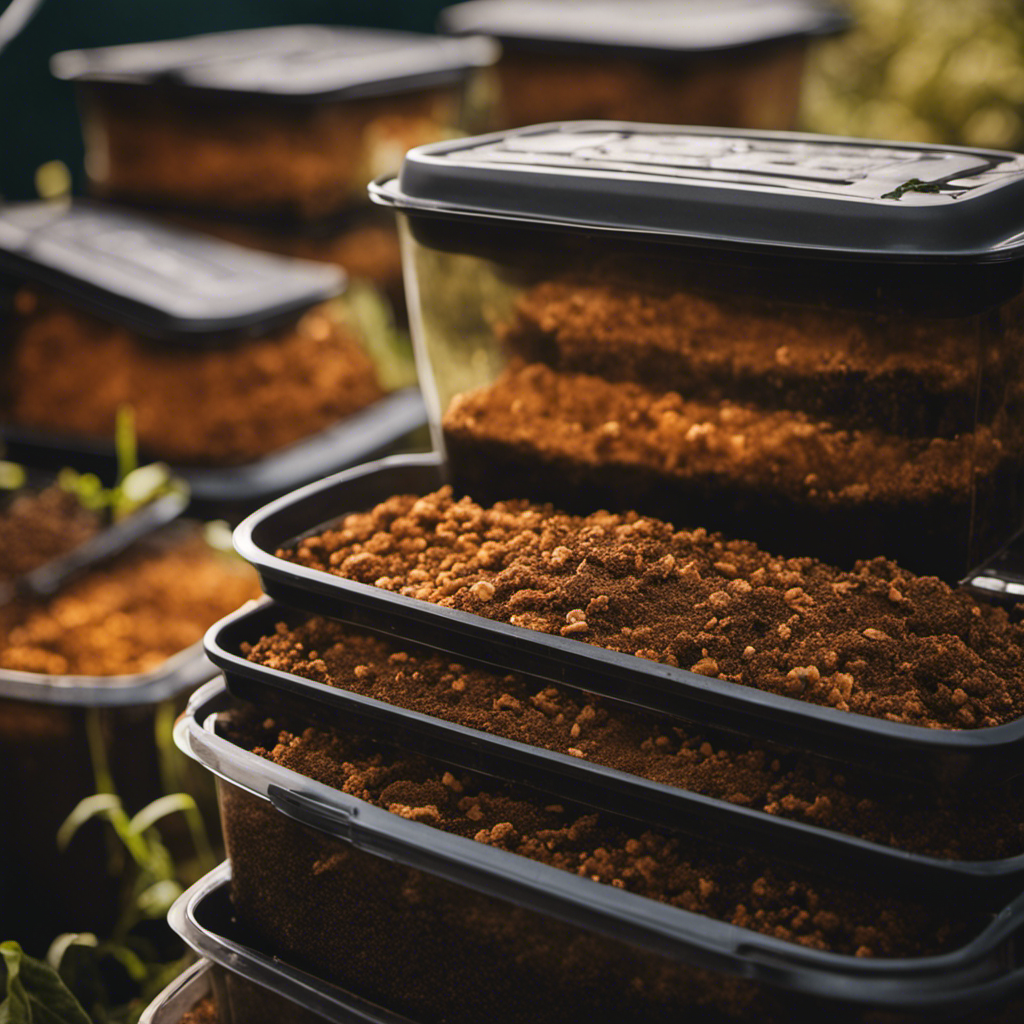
(879, 640)
(70, 372)
(37, 526)
(204, 1012)
(986, 823)
(129, 615)
(737, 887)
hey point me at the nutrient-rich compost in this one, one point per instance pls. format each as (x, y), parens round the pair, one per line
(980, 825)
(232, 404)
(878, 641)
(37, 526)
(129, 615)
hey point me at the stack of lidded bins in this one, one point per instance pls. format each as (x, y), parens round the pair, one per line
(491, 758)
(267, 137)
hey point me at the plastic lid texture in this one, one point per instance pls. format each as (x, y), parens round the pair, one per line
(772, 191)
(165, 282)
(290, 61)
(654, 27)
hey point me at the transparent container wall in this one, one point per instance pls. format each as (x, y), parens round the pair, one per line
(230, 402)
(843, 411)
(750, 87)
(247, 155)
(240, 1001)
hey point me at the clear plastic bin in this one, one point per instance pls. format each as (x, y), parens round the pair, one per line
(809, 342)
(738, 63)
(289, 121)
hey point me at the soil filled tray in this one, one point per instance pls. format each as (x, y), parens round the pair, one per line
(402, 870)
(810, 808)
(231, 492)
(894, 747)
(134, 623)
(47, 536)
(258, 985)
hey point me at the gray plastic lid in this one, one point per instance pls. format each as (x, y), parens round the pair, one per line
(770, 191)
(292, 61)
(647, 28)
(164, 282)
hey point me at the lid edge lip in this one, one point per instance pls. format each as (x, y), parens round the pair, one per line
(410, 206)
(823, 20)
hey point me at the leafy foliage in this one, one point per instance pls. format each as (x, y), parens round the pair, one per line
(34, 992)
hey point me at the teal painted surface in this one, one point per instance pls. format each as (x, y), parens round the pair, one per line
(38, 119)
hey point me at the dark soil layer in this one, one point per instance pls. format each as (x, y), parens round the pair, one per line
(896, 374)
(70, 372)
(38, 526)
(879, 641)
(983, 825)
(127, 616)
(696, 876)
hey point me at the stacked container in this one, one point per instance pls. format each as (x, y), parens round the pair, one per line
(737, 63)
(241, 368)
(268, 137)
(809, 342)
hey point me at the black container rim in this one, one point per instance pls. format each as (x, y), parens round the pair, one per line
(164, 281)
(984, 962)
(617, 791)
(601, 29)
(969, 211)
(723, 704)
(259, 967)
(293, 63)
(179, 996)
(220, 490)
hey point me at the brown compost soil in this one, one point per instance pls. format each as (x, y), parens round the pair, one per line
(70, 372)
(693, 875)
(204, 1012)
(37, 526)
(129, 615)
(879, 640)
(980, 825)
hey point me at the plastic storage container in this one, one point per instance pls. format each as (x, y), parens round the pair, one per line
(945, 755)
(240, 370)
(59, 733)
(250, 984)
(737, 63)
(368, 897)
(290, 120)
(808, 342)
(488, 750)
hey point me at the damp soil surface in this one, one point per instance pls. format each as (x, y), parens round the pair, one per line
(737, 887)
(978, 825)
(128, 615)
(878, 640)
(38, 526)
(204, 1012)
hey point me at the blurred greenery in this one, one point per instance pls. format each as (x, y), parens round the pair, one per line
(947, 71)
(40, 122)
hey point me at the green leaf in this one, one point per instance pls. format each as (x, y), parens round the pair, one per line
(12, 476)
(34, 992)
(97, 805)
(172, 803)
(913, 185)
(124, 443)
(157, 899)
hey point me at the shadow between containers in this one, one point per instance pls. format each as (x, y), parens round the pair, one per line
(984, 970)
(941, 756)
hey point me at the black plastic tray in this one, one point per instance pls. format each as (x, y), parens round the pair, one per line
(891, 747)
(204, 918)
(111, 540)
(230, 492)
(985, 970)
(582, 781)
